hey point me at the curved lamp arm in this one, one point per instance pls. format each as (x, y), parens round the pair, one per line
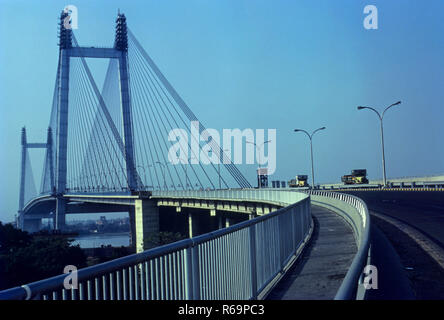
(300, 130)
(394, 104)
(317, 131)
(370, 108)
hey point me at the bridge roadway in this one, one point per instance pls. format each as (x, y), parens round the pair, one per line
(319, 272)
(413, 221)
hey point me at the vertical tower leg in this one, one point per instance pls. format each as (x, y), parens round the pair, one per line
(50, 159)
(121, 44)
(127, 121)
(62, 139)
(22, 181)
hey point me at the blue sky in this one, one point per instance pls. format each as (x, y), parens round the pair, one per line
(253, 64)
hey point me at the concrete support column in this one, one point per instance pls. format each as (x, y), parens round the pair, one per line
(19, 220)
(192, 225)
(251, 216)
(221, 221)
(60, 214)
(227, 222)
(132, 222)
(146, 221)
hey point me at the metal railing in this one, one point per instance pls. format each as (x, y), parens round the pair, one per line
(355, 212)
(238, 262)
(275, 196)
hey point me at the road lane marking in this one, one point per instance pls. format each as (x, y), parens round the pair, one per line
(435, 251)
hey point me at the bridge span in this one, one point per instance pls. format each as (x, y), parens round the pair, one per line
(242, 261)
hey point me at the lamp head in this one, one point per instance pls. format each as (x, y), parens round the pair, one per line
(360, 108)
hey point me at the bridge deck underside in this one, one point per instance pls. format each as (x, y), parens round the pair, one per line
(318, 274)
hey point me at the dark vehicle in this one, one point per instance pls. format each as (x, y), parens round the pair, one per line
(300, 181)
(357, 176)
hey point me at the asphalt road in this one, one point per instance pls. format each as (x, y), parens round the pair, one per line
(421, 211)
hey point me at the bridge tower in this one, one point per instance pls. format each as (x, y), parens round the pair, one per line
(67, 51)
(65, 44)
(22, 180)
(31, 224)
(121, 45)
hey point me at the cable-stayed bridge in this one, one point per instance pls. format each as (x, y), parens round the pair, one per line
(114, 140)
(107, 151)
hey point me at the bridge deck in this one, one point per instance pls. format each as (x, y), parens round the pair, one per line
(318, 274)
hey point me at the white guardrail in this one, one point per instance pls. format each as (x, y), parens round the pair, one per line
(355, 212)
(243, 261)
(238, 262)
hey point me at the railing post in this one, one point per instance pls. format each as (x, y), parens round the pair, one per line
(188, 274)
(253, 262)
(195, 269)
(293, 228)
(192, 280)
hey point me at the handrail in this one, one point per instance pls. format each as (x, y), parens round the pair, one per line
(243, 258)
(197, 256)
(354, 211)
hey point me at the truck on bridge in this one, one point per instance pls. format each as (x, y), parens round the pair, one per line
(357, 176)
(300, 181)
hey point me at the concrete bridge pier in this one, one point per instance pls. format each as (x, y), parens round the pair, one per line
(192, 225)
(60, 214)
(132, 223)
(220, 220)
(144, 219)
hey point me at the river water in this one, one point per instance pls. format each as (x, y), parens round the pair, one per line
(97, 240)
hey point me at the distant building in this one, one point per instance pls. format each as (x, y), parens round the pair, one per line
(262, 177)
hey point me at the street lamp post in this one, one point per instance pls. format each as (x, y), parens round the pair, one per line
(259, 147)
(310, 136)
(381, 117)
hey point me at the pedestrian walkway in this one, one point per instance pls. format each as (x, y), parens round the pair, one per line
(318, 273)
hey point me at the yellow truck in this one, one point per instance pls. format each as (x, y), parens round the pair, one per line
(300, 181)
(357, 176)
